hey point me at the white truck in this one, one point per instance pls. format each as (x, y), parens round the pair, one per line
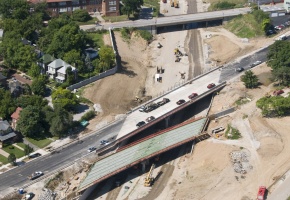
(282, 37)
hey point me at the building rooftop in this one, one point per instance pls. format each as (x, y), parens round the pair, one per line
(63, 69)
(58, 63)
(132, 155)
(4, 125)
(16, 114)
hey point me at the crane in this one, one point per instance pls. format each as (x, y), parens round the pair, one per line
(149, 179)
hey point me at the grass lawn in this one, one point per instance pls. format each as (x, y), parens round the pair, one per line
(17, 152)
(115, 18)
(3, 160)
(98, 38)
(40, 143)
(21, 144)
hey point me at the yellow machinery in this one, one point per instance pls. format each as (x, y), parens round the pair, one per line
(176, 4)
(171, 3)
(149, 179)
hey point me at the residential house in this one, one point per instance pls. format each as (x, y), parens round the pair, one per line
(44, 61)
(15, 117)
(6, 132)
(2, 79)
(106, 7)
(15, 87)
(57, 70)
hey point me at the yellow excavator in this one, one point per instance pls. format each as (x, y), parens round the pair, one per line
(149, 179)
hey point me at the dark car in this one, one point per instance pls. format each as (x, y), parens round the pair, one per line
(164, 101)
(103, 142)
(149, 119)
(142, 123)
(192, 95)
(239, 69)
(181, 101)
(211, 85)
(148, 109)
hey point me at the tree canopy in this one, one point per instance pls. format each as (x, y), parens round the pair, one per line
(7, 105)
(38, 86)
(64, 98)
(274, 106)
(131, 6)
(30, 122)
(250, 79)
(279, 60)
(81, 15)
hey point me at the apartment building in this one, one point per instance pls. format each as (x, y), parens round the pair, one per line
(106, 7)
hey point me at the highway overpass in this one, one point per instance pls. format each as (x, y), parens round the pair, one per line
(144, 149)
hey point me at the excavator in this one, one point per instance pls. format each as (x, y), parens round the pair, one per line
(149, 179)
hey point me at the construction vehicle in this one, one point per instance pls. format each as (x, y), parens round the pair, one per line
(261, 193)
(177, 52)
(177, 59)
(176, 4)
(159, 45)
(171, 3)
(35, 175)
(149, 179)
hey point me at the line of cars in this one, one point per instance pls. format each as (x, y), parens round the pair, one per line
(240, 69)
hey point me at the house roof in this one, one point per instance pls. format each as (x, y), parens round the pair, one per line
(15, 115)
(4, 125)
(7, 136)
(54, 1)
(2, 77)
(63, 69)
(46, 58)
(58, 63)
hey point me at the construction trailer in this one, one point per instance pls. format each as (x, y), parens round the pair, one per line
(149, 179)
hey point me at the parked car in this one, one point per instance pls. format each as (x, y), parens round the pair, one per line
(255, 63)
(192, 95)
(91, 149)
(149, 119)
(239, 69)
(164, 101)
(29, 196)
(34, 155)
(211, 85)
(142, 108)
(139, 124)
(181, 101)
(278, 92)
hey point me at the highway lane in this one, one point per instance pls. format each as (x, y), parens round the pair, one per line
(17, 177)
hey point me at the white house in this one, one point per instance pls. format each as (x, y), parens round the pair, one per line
(57, 70)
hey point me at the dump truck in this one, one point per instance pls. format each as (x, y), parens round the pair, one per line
(35, 175)
(261, 193)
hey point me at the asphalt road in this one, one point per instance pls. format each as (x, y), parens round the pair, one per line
(17, 177)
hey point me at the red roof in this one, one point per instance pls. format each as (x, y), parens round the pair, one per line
(15, 115)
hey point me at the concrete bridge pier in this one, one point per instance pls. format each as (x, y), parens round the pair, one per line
(144, 163)
(167, 119)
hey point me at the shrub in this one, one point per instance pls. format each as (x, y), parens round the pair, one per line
(145, 35)
(81, 15)
(89, 115)
(224, 5)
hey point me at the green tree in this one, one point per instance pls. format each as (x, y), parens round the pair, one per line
(74, 58)
(266, 25)
(12, 159)
(38, 86)
(64, 98)
(131, 6)
(67, 38)
(28, 149)
(250, 79)
(107, 58)
(31, 100)
(34, 70)
(17, 9)
(30, 122)
(70, 76)
(7, 104)
(81, 15)
(274, 106)
(61, 122)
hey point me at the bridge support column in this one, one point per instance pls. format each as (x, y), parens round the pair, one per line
(153, 30)
(144, 165)
(167, 122)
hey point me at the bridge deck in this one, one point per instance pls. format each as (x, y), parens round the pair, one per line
(132, 155)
